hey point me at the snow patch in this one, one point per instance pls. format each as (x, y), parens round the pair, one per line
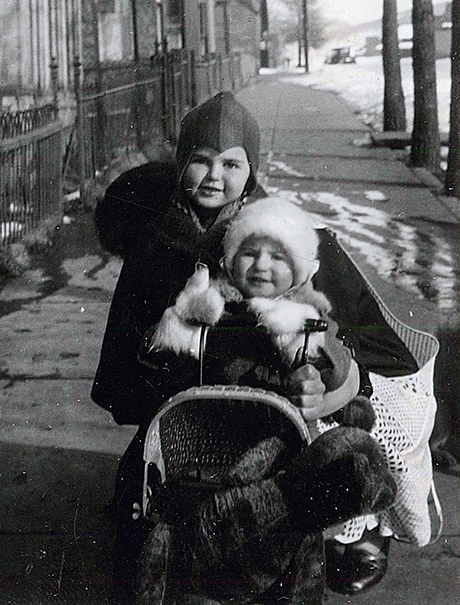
(273, 164)
(375, 196)
(424, 267)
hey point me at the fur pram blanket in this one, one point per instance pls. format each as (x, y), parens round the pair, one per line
(262, 538)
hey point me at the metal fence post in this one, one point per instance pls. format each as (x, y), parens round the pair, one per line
(164, 96)
(80, 125)
(54, 67)
(193, 84)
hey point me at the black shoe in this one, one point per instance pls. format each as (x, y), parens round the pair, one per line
(355, 568)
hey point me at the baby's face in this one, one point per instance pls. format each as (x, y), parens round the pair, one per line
(262, 268)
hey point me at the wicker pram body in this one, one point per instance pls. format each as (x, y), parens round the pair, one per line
(199, 434)
(194, 442)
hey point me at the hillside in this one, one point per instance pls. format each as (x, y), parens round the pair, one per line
(356, 34)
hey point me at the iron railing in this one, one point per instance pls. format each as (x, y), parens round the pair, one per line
(119, 108)
(15, 123)
(30, 172)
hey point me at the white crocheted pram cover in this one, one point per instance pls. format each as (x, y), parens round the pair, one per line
(405, 407)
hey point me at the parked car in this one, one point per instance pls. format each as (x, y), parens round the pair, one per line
(343, 54)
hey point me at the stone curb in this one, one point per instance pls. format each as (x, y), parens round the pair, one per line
(450, 203)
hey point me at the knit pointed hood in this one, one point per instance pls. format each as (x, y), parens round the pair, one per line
(220, 123)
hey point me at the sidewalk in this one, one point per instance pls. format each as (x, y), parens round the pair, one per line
(60, 451)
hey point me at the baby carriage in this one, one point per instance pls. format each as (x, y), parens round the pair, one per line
(203, 440)
(197, 441)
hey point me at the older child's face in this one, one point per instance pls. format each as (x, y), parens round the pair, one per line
(213, 179)
(262, 268)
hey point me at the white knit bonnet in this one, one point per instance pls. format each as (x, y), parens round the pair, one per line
(282, 221)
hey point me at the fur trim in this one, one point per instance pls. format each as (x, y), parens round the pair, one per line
(289, 312)
(282, 316)
(202, 301)
(305, 293)
(285, 319)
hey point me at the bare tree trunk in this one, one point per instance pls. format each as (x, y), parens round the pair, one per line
(425, 134)
(452, 184)
(394, 110)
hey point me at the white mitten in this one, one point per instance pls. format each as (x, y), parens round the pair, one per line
(174, 334)
(200, 301)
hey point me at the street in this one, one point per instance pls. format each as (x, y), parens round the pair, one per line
(60, 451)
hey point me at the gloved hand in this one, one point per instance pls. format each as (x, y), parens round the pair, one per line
(332, 358)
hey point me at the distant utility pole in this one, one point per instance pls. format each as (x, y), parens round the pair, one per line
(452, 184)
(305, 33)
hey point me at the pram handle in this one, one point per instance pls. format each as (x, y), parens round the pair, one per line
(311, 325)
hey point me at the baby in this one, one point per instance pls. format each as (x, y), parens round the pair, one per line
(270, 258)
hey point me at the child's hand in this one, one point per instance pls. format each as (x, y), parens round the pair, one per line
(305, 389)
(338, 358)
